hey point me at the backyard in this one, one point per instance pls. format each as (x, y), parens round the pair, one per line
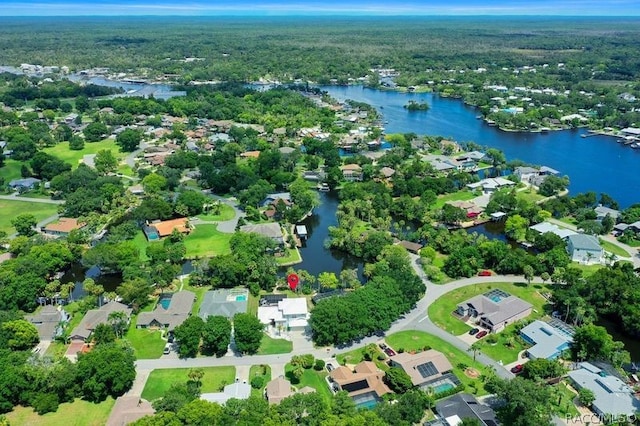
(441, 311)
(417, 340)
(77, 413)
(214, 379)
(260, 370)
(11, 209)
(206, 240)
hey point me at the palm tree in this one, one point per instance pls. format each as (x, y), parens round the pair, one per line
(118, 321)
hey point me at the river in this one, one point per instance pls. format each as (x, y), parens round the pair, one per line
(596, 163)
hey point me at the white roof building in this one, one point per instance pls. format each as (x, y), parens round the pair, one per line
(290, 313)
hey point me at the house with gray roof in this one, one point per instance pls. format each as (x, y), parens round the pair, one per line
(602, 212)
(451, 411)
(544, 227)
(49, 321)
(24, 184)
(225, 301)
(584, 249)
(424, 368)
(235, 390)
(613, 396)
(271, 230)
(177, 311)
(495, 309)
(548, 341)
(98, 316)
(491, 185)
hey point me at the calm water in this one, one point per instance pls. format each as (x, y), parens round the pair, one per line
(315, 257)
(595, 163)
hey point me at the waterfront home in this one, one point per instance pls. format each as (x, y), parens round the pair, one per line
(275, 197)
(351, 172)
(169, 313)
(288, 314)
(226, 302)
(612, 396)
(602, 212)
(584, 249)
(49, 322)
(424, 368)
(495, 309)
(544, 227)
(98, 316)
(161, 229)
(269, 230)
(451, 411)
(364, 384)
(549, 340)
(410, 246)
(62, 227)
(491, 185)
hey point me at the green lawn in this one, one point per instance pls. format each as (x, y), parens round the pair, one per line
(142, 243)
(291, 257)
(77, 413)
(146, 343)
(226, 213)
(508, 344)
(206, 240)
(441, 311)
(563, 401)
(418, 340)
(200, 292)
(456, 196)
(357, 355)
(63, 152)
(613, 248)
(587, 270)
(271, 346)
(11, 170)
(252, 304)
(159, 381)
(260, 370)
(529, 196)
(311, 378)
(11, 209)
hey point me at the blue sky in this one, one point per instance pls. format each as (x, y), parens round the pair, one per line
(289, 7)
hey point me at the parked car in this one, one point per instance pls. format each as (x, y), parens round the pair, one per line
(389, 352)
(485, 273)
(474, 331)
(329, 367)
(481, 334)
(517, 369)
(383, 346)
(166, 350)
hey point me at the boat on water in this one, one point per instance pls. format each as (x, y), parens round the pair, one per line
(635, 145)
(491, 122)
(323, 187)
(547, 130)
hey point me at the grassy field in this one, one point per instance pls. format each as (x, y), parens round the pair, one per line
(252, 304)
(357, 355)
(141, 244)
(159, 381)
(11, 209)
(529, 196)
(63, 152)
(226, 213)
(271, 346)
(206, 240)
(146, 343)
(456, 196)
(260, 370)
(77, 413)
(417, 340)
(614, 249)
(441, 310)
(312, 378)
(291, 257)
(10, 170)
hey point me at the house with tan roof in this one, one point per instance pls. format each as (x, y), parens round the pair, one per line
(424, 368)
(63, 227)
(250, 154)
(97, 316)
(364, 384)
(351, 172)
(280, 388)
(164, 228)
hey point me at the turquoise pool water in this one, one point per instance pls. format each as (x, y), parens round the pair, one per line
(165, 302)
(369, 405)
(241, 298)
(443, 387)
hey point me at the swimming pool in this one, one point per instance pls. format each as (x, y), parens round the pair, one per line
(241, 298)
(442, 387)
(369, 404)
(165, 301)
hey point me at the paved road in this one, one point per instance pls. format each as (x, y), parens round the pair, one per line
(417, 319)
(130, 159)
(14, 197)
(226, 226)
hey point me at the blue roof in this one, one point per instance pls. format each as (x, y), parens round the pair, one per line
(549, 342)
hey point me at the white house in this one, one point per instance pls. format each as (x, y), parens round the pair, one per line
(289, 313)
(584, 249)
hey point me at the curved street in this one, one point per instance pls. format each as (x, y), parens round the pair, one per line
(416, 319)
